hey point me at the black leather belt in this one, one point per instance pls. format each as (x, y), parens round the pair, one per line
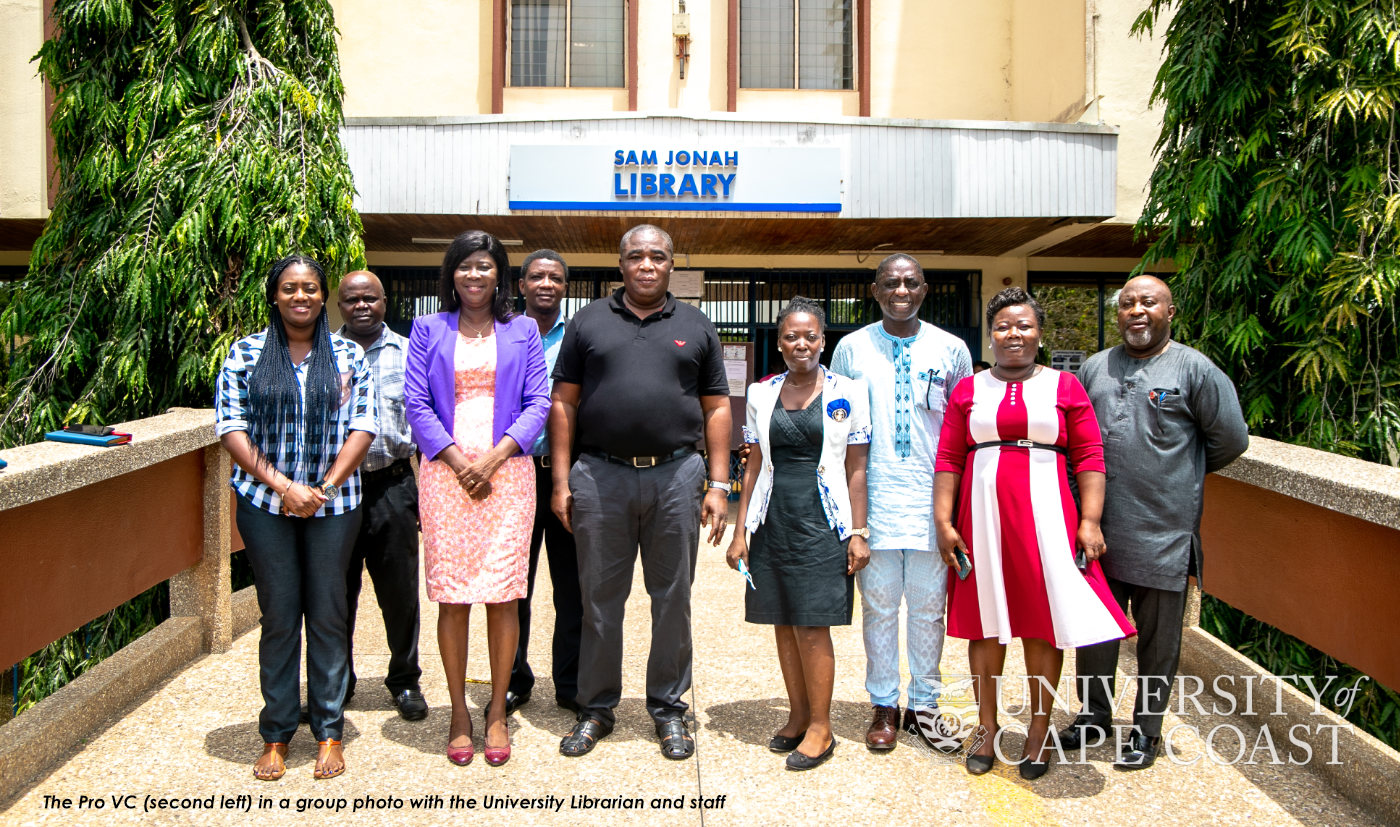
(398, 469)
(541, 461)
(643, 462)
(1020, 443)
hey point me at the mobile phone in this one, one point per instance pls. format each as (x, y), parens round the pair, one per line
(964, 564)
(1081, 559)
(89, 430)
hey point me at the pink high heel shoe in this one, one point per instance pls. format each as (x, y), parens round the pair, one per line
(496, 756)
(462, 756)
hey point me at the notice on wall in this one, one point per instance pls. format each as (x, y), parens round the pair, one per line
(737, 367)
(1069, 361)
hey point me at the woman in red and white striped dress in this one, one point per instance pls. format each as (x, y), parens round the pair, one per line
(1002, 498)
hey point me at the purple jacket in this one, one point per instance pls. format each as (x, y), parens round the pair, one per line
(521, 401)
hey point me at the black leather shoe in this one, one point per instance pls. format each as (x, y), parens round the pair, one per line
(584, 737)
(797, 761)
(1084, 730)
(411, 705)
(1140, 754)
(513, 701)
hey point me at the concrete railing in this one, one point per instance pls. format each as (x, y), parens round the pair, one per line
(1308, 542)
(86, 529)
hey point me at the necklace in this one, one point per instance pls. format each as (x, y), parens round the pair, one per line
(480, 332)
(795, 386)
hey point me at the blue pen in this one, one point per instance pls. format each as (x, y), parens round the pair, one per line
(744, 570)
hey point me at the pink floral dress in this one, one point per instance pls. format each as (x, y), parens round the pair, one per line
(476, 551)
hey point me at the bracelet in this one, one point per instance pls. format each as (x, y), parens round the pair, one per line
(716, 485)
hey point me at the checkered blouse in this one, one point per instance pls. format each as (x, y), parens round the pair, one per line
(358, 412)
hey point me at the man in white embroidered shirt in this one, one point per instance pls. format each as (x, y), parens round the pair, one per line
(910, 367)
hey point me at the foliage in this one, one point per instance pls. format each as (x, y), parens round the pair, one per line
(1375, 709)
(197, 143)
(1277, 195)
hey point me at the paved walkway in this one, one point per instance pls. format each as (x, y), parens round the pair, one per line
(194, 740)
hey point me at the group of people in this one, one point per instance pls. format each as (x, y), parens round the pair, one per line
(986, 499)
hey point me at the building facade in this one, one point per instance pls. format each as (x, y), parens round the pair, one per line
(787, 145)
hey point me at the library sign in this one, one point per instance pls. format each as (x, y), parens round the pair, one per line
(653, 177)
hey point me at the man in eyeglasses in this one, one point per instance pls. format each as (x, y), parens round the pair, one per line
(910, 367)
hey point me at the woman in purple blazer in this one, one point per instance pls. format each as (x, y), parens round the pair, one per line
(475, 391)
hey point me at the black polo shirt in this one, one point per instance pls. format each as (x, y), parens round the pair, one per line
(640, 380)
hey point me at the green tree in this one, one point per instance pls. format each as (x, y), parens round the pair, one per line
(1277, 194)
(197, 142)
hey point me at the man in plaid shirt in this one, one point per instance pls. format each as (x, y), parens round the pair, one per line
(388, 540)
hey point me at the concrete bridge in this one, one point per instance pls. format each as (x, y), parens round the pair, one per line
(166, 730)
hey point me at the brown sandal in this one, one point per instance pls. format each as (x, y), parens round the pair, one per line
(277, 767)
(320, 774)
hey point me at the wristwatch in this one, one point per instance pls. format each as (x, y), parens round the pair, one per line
(863, 533)
(327, 488)
(719, 486)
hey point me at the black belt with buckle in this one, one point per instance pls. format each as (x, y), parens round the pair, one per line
(541, 461)
(643, 462)
(398, 469)
(1020, 443)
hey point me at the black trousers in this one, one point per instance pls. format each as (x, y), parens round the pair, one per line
(617, 510)
(562, 556)
(1158, 616)
(387, 545)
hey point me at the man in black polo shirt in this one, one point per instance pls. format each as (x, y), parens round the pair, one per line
(638, 383)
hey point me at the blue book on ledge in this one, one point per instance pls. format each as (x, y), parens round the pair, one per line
(102, 441)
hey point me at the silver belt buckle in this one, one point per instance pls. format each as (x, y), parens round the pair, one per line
(644, 462)
(1024, 443)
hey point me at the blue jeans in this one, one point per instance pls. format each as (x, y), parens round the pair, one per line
(299, 571)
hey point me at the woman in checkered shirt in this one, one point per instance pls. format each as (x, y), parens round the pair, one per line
(296, 411)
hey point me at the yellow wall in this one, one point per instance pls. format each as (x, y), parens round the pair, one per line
(424, 59)
(1047, 60)
(1123, 72)
(23, 147)
(930, 59)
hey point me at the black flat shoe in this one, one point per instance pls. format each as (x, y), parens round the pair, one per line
(1031, 770)
(798, 761)
(584, 737)
(676, 743)
(786, 743)
(980, 764)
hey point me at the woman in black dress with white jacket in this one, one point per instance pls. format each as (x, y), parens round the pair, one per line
(809, 434)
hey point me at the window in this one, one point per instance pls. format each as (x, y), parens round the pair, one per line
(1080, 311)
(806, 40)
(566, 43)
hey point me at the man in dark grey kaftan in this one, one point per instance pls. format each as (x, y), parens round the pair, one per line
(1168, 416)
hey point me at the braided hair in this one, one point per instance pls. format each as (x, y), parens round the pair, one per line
(802, 304)
(275, 407)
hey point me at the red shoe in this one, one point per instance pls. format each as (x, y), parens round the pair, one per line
(496, 756)
(462, 756)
